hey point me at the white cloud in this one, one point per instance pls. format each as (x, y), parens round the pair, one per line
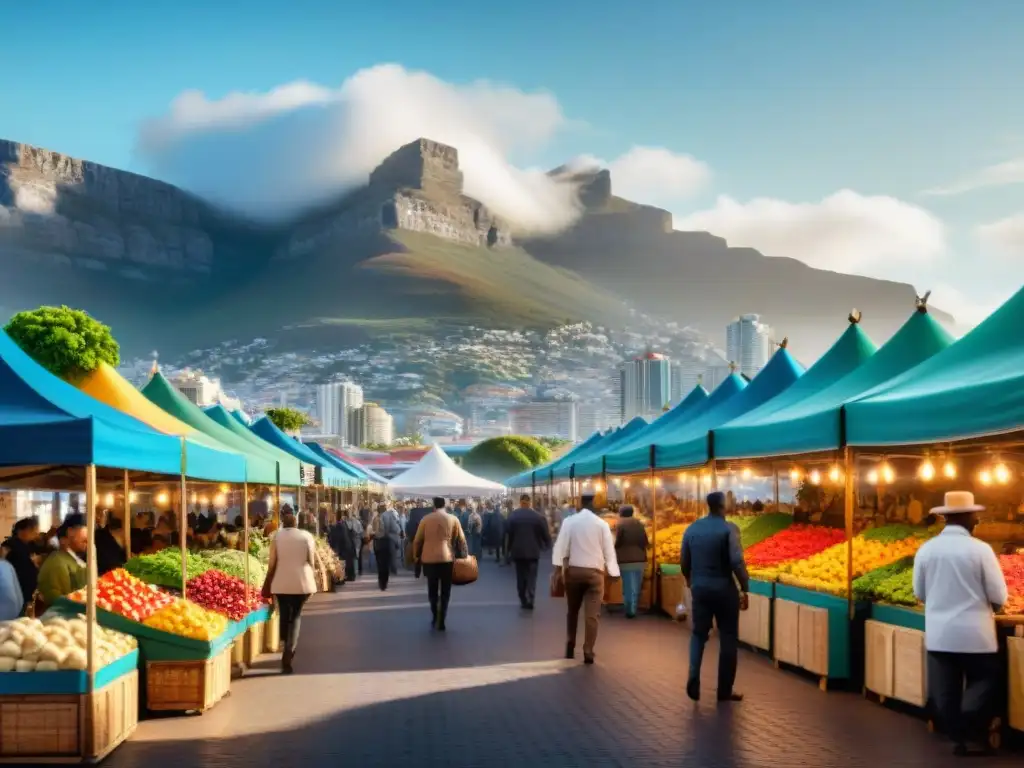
(968, 307)
(998, 175)
(845, 232)
(652, 174)
(1004, 237)
(271, 154)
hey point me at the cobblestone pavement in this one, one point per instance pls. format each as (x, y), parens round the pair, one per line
(374, 686)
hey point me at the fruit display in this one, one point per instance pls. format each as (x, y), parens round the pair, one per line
(121, 593)
(670, 544)
(224, 594)
(1013, 570)
(259, 546)
(796, 542)
(882, 585)
(186, 619)
(741, 521)
(232, 562)
(329, 558)
(164, 567)
(55, 642)
(827, 571)
(763, 527)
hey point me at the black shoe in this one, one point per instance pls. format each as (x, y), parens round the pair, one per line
(570, 651)
(734, 696)
(693, 689)
(630, 615)
(286, 663)
(528, 606)
(588, 658)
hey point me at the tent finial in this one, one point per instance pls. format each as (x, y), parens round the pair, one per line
(855, 316)
(155, 368)
(732, 366)
(921, 302)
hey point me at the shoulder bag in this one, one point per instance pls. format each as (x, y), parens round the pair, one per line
(465, 569)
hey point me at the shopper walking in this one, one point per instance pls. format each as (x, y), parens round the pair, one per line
(959, 580)
(631, 552)
(387, 539)
(355, 526)
(527, 537)
(585, 553)
(712, 564)
(495, 531)
(291, 579)
(475, 534)
(439, 541)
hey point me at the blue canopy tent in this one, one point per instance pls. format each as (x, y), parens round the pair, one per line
(972, 388)
(45, 421)
(328, 474)
(357, 476)
(634, 455)
(543, 474)
(744, 437)
(691, 447)
(359, 469)
(589, 464)
(815, 424)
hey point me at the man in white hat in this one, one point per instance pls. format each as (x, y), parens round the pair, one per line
(959, 580)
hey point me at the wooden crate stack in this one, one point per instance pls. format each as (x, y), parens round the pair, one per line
(756, 622)
(800, 637)
(895, 662)
(188, 686)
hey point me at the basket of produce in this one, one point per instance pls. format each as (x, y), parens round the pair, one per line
(164, 568)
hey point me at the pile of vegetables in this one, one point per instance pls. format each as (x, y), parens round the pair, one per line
(329, 557)
(164, 568)
(232, 562)
(31, 645)
(896, 532)
(121, 593)
(218, 592)
(259, 546)
(1013, 570)
(794, 543)
(763, 527)
(186, 619)
(879, 585)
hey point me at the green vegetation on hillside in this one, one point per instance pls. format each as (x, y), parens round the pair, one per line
(500, 457)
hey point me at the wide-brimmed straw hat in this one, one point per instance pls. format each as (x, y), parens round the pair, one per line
(958, 502)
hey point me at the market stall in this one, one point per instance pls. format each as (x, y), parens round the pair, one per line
(437, 475)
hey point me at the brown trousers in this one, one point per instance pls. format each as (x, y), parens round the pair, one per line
(584, 588)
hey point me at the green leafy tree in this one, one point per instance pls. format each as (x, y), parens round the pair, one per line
(500, 457)
(288, 419)
(67, 342)
(375, 446)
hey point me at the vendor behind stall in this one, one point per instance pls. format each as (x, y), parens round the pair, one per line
(64, 571)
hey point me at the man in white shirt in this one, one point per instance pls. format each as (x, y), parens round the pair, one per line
(959, 580)
(586, 547)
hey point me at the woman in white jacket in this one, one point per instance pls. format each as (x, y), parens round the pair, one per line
(292, 579)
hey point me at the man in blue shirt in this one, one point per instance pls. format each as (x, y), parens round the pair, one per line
(712, 563)
(11, 599)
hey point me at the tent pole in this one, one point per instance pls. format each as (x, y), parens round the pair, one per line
(654, 528)
(127, 527)
(714, 474)
(316, 510)
(92, 575)
(775, 480)
(245, 533)
(183, 519)
(848, 502)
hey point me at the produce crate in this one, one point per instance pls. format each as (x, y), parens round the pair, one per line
(670, 589)
(644, 603)
(68, 727)
(895, 659)
(756, 622)
(238, 651)
(1015, 657)
(188, 686)
(254, 642)
(879, 655)
(786, 633)
(272, 633)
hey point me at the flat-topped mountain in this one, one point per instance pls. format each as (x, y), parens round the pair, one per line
(166, 268)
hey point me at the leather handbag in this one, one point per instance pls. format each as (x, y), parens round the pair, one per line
(558, 579)
(465, 570)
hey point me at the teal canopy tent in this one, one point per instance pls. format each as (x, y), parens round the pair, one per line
(747, 436)
(288, 463)
(589, 464)
(327, 473)
(973, 388)
(346, 469)
(543, 474)
(691, 446)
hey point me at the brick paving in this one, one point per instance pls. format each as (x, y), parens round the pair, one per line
(375, 687)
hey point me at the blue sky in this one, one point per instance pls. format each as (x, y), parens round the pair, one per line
(792, 100)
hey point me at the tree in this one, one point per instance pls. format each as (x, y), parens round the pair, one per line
(500, 457)
(288, 419)
(375, 446)
(69, 343)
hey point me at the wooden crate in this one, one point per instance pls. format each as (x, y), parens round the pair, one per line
(672, 589)
(238, 650)
(272, 634)
(909, 665)
(254, 642)
(813, 639)
(69, 728)
(188, 686)
(644, 603)
(786, 633)
(879, 651)
(1015, 656)
(756, 622)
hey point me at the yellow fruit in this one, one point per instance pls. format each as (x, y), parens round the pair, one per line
(827, 571)
(189, 620)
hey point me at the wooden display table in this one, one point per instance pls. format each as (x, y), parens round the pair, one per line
(188, 686)
(671, 592)
(272, 633)
(1015, 657)
(895, 659)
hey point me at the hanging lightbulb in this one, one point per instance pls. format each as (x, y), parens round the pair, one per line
(626, 484)
(647, 482)
(794, 475)
(203, 500)
(682, 475)
(162, 498)
(815, 477)
(985, 477)
(131, 497)
(108, 500)
(872, 477)
(657, 482)
(746, 473)
(598, 487)
(949, 470)
(926, 471)
(888, 474)
(1001, 473)
(618, 481)
(219, 499)
(194, 497)
(834, 474)
(224, 488)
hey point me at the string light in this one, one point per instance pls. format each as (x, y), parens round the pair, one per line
(131, 497)
(926, 471)
(108, 500)
(598, 487)
(794, 475)
(657, 482)
(1001, 473)
(203, 500)
(618, 481)
(224, 488)
(985, 477)
(872, 477)
(949, 470)
(746, 473)
(219, 499)
(162, 498)
(834, 474)
(815, 477)
(626, 484)
(888, 474)
(682, 475)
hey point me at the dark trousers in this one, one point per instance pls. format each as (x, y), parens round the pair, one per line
(362, 545)
(526, 581)
(291, 618)
(964, 689)
(350, 567)
(720, 605)
(382, 551)
(439, 589)
(584, 588)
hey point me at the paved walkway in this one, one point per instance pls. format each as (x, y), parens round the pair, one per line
(375, 687)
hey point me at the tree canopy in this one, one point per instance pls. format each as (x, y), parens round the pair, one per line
(67, 342)
(288, 419)
(500, 457)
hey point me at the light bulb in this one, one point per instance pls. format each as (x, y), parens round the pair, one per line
(626, 484)
(835, 475)
(219, 499)
(872, 477)
(1001, 473)
(598, 487)
(131, 497)
(985, 477)
(682, 475)
(815, 477)
(617, 481)
(203, 500)
(949, 470)
(161, 498)
(888, 475)
(657, 481)
(108, 500)
(794, 475)
(926, 471)
(224, 488)
(747, 473)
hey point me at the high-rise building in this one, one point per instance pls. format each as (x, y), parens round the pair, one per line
(371, 424)
(686, 375)
(546, 418)
(203, 391)
(718, 370)
(335, 403)
(646, 386)
(748, 344)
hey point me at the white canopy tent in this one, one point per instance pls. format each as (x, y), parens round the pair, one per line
(437, 475)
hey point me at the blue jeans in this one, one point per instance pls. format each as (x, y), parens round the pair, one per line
(632, 580)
